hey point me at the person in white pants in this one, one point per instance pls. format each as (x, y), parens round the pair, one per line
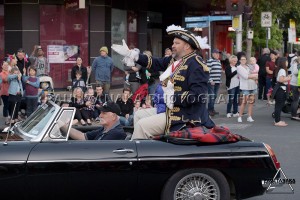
(147, 123)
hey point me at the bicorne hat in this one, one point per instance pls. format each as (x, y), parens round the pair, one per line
(196, 42)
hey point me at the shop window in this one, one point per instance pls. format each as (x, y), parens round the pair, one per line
(64, 37)
(1, 31)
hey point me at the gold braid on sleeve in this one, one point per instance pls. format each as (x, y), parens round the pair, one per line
(149, 62)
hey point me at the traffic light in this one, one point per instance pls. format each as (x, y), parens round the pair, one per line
(247, 13)
(247, 16)
(235, 7)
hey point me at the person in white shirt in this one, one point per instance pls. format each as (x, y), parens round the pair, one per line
(282, 77)
(295, 90)
(248, 88)
(232, 84)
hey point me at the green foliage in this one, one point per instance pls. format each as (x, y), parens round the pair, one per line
(284, 10)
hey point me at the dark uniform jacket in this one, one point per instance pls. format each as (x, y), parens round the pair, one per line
(190, 80)
(115, 133)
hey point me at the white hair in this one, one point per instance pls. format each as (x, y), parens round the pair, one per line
(266, 51)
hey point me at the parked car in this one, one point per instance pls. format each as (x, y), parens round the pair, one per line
(39, 161)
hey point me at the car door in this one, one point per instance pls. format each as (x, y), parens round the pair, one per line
(83, 169)
(13, 157)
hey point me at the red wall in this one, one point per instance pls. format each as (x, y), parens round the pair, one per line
(59, 26)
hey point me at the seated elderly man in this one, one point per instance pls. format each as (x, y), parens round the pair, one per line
(111, 128)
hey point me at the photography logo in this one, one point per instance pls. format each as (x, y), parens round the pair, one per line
(280, 184)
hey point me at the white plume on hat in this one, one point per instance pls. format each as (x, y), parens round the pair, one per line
(174, 28)
(201, 41)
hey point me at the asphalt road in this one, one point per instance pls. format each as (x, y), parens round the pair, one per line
(285, 141)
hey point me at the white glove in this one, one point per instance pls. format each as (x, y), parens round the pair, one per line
(169, 94)
(130, 56)
(125, 51)
(121, 49)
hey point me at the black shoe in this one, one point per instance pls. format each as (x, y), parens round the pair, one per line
(215, 112)
(295, 118)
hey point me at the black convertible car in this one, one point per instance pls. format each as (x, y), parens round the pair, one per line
(38, 161)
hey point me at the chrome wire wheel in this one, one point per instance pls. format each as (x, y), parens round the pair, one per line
(197, 186)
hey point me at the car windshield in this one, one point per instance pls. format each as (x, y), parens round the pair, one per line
(37, 121)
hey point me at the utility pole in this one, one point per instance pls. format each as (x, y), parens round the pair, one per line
(239, 35)
(236, 8)
(248, 15)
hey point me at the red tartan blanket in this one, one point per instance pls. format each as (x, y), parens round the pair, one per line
(218, 134)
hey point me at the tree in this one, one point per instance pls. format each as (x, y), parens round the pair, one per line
(282, 11)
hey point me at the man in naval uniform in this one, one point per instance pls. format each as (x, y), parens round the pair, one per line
(185, 80)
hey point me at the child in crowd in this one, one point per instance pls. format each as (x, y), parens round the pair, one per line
(32, 84)
(128, 70)
(148, 102)
(4, 85)
(12, 61)
(127, 76)
(88, 109)
(43, 100)
(254, 68)
(78, 81)
(137, 106)
(15, 92)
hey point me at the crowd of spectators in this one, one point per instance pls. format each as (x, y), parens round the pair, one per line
(245, 81)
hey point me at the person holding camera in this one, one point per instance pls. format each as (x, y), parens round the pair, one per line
(39, 61)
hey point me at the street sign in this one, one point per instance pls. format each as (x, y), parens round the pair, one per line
(208, 18)
(196, 19)
(266, 19)
(197, 25)
(269, 33)
(235, 22)
(292, 23)
(220, 18)
(292, 35)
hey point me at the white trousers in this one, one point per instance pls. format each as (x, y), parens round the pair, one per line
(148, 124)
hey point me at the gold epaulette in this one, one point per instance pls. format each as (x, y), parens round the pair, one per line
(149, 62)
(199, 60)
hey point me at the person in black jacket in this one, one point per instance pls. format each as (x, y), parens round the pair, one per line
(262, 74)
(126, 105)
(79, 67)
(232, 84)
(101, 98)
(22, 61)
